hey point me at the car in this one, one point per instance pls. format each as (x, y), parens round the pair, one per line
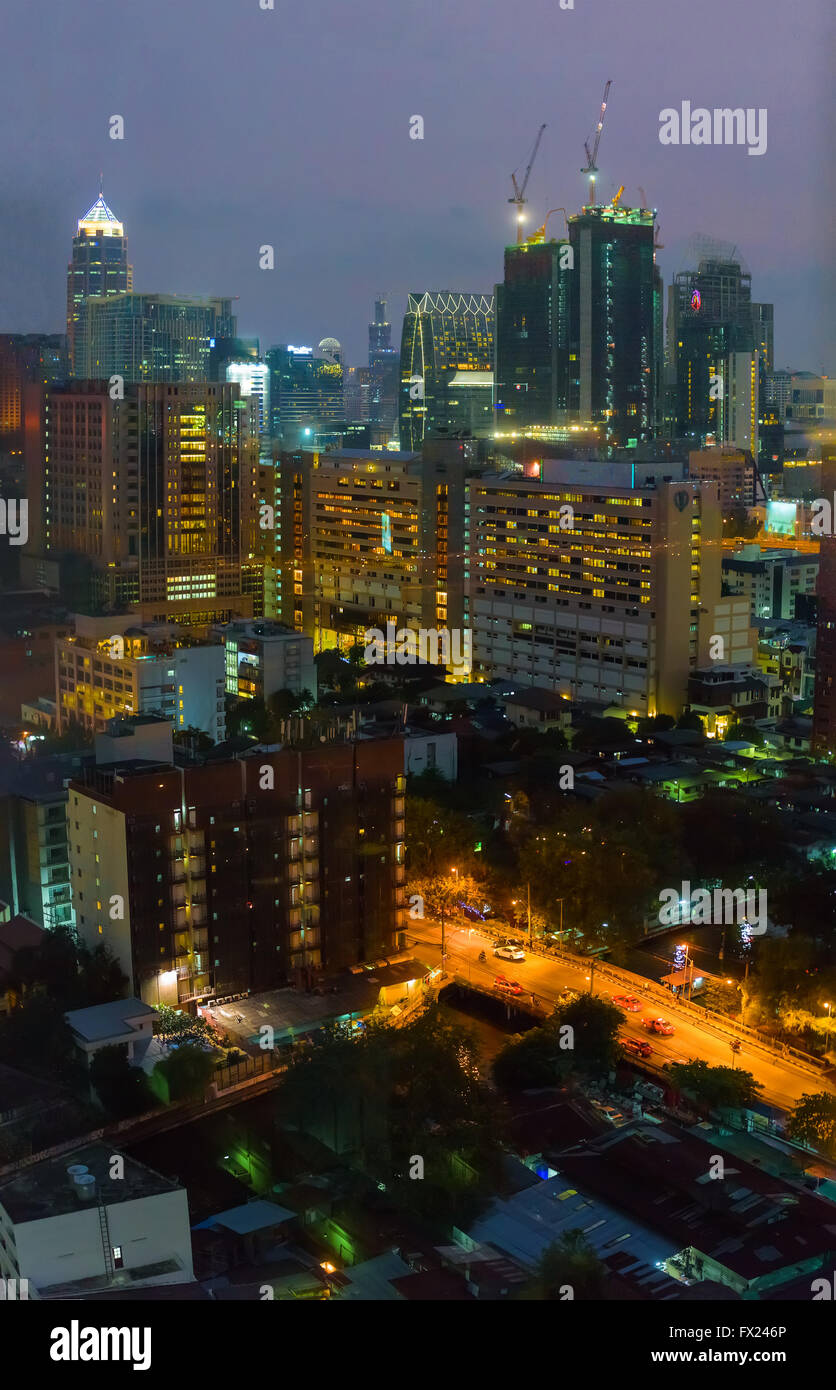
(659, 1025)
(636, 1047)
(509, 953)
(509, 986)
(567, 995)
(628, 1002)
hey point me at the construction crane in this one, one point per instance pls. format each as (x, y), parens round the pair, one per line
(617, 199)
(519, 189)
(540, 234)
(591, 166)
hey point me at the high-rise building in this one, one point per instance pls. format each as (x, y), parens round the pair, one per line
(156, 492)
(263, 658)
(612, 600)
(242, 873)
(384, 370)
(149, 337)
(99, 266)
(25, 357)
(615, 352)
(446, 366)
(372, 538)
(253, 379)
(358, 393)
(533, 329)
(306, 390)
(710, 319)
(763, 330)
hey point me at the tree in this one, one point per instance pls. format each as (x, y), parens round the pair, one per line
(122, 1089)
(813, 1122)
(689, 719)
(714, 1087)
(528, 1062)
(569, 1268)
(37, 1038)
(184, 1075)
(437, 837)
(180, 1026)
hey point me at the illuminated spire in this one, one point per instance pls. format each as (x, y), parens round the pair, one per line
(100, 219)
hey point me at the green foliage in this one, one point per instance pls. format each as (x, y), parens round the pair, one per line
(437, 837)
(813, 1122)
(569, 1263)
(176, 1025)
(184, 1075)
(578, 1041)
(714, 1087)
(37, 1038)
(71, 974)
(122, 1089)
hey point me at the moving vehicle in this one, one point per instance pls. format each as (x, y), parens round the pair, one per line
(636, 1047)
(567, 995)
(509, 986)
(659, 1025)
(509, 953)
(628, 1002)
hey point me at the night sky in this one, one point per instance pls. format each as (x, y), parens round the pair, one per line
(291, 127)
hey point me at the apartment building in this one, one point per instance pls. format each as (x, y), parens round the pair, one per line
(598, 580)
(109, 668)
(241, 873)
(263, 658)
(771, 580)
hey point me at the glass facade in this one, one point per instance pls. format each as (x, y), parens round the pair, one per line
(445, 335)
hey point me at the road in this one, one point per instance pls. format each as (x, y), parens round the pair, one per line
(783, 1080)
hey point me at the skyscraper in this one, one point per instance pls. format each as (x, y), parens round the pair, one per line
(156, 491)
(824, 699)
(384, 368)
(99, 265)
(533, 313)
(710, 319)
(447, 350)
(305, 390)
(150, 337)
(615, 353)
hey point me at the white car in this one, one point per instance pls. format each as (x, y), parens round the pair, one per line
(509, 953)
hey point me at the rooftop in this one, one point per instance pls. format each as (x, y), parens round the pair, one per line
(108, 1020)
(44, 1189)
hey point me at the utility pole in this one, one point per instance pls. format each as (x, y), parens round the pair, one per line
(528, 888)
(443, 952)
(592, 975)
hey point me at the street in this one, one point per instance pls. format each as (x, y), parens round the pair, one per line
(784, 1081)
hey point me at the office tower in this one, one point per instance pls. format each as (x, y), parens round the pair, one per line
(615, 359)
(253, 379)
(358, 391)
(371, 539)
(778, 391)
(710, 318)
(305, 390)
(617, 608)
(155, 493)
(99, 266)
(242, 873)
(763, 332)
(110, 667)
(25, 357)
(446, 366)
(222, 351)
(264, 657)
(533, 327)
(384, 371)
(811, 397)
(823, 742)
(149, 337)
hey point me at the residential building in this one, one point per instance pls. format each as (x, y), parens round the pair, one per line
(723, 695)
(153, 495)
(99, 267)
(25, 357)
(597, 580)
(124, 1023)
(34, 839)
(110, 668)
(824, 703)
(91, 1220)
(732, 469)
(149, 338)
(772, 580)
(265, 657)
(533, 332)
(241, 873)
(446, 336)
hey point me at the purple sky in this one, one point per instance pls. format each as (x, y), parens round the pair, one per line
(290, 127)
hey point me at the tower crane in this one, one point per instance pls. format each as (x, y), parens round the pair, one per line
(591, 166)
(519, 189)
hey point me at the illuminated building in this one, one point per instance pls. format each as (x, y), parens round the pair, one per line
(149, 337)
(732, 469)
(99, 266)
(446, 366)
(155, 494)
(110, 668)
(615, 350)
(772, 580)
(824, 700)
(253, 379)
(608, 608)
(533, 309)
(384, 371)
(711, 352)
(230, 884)
(25, 357)
(305, 390)
(263, 658)
(371, 538)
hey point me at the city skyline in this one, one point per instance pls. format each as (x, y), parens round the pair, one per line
(416, 214)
